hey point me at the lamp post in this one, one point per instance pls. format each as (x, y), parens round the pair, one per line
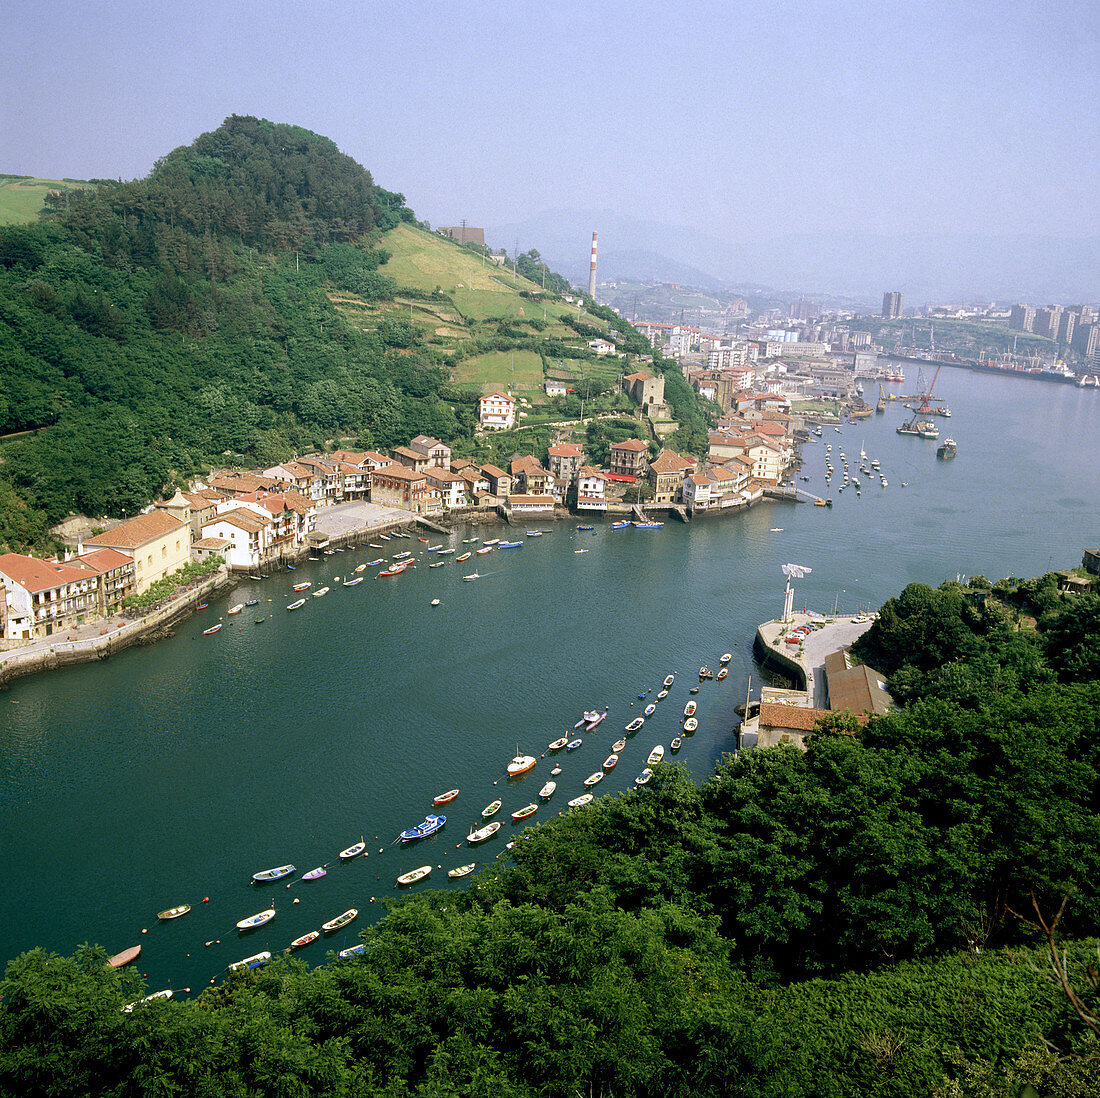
(842, 591)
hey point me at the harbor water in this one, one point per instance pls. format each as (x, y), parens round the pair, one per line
(169, 774)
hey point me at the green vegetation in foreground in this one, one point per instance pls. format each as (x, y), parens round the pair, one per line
(842, 921)
(23, 197)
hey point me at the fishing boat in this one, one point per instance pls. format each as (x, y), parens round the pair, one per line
(620, 525)
(482, 552)
(594, 779)
(588, 715)
(669, 680)
(581, 801)
(387, 537)
(619, 745)
(375, 563)
(465, 556)
(430, 826)
(690, 725)
(650, 709)
(165, 994)
(689, 709)
(491, 542)
(419, 538)
(643, 777)
(611, 762)
(256, 920)
(273, 874)
(556, 771)
(722, 673)
(471, 576)
(946, 450)
(445, 552)
(174, 912)
(557, 745)
(236, 609)
(656, 755)
(355, 950)
(438, 564)
(676, 743)
(491, 809)
(547, 791)
(435, 548)
(354, 851)
(376, 545)
(573, 745)
(202, 606)
(595, 721)
(635, 724)
(403, 555)
(314, 874)
(353, 582)
(297, 605)
(414, 875)
(520, 765)
(524, 812)
(580, 550)
(482, 833)
(212, 629)
(391, 571)
(125, 957)
(444, 798)
(466, 541)
(304, 940)
(320, 592)
(510, 545)
(340, 920)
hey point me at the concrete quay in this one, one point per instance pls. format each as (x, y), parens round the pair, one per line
(805, 663)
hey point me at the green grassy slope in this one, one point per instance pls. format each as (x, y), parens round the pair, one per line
(22, 196)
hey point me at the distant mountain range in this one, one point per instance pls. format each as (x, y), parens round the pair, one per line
(927, 267)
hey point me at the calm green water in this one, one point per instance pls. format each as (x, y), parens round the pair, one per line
(172, 773)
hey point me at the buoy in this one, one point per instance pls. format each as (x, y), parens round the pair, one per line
(187, 989)
(211, 979)
(206, 899)
(288, 886)
(296, 900)
(144, 931)
(380, 849)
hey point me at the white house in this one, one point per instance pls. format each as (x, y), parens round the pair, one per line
(248, 536)
(696, 491)
(590, 489)
(451, 487)
(496, 412)
(601, 346)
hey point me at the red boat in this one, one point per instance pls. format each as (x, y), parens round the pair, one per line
(443, 798)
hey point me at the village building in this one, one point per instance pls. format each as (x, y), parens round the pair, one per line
(666, 474)
(531, 505)
(696, 491)
(400, 486)
(43, 597)
(629, 459)
(556, 388)
(500, 482)
(601, 346)
(496, 412)
(114, 573)
(530, 478)
(246, 535)
(591, 490)
(411, 459)
(438, 453)
(564, 458)
(452, 488)
(159, 543)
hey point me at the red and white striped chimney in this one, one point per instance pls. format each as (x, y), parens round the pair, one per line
(592, 269)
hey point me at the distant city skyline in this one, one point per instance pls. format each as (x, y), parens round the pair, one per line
(743, 122)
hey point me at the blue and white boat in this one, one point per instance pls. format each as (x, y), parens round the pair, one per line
(510, 545)
(257, 920)
(624, 525)
(573, 746)
(353, 951)
(257, 960)
(430, 826)
(297, 605)
(586, 528)
(648, 525)
(273, 874)
(353, 583)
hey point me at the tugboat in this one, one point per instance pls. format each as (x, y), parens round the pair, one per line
(946, 449)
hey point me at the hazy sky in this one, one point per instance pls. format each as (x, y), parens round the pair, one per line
(744, 118)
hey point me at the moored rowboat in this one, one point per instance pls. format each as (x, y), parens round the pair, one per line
(594, 779)
(689, 709)
(656, 755)
(174, 912)
(619, 745)
(304, 940)
(557, 745)
(352, 851)
(581, 801)
(125, 957)
(212, 629)
(690, 725)
(483, 833)
(314, 874)
(462, 870)
(414, 875)
(165, 994)
(635, 724)
(524, 812)
(273, 874)
(340, 920)
(256, 920)
(443, 798)
(547, 791)
(491, 809)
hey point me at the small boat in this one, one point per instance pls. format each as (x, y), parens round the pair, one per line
(202, 606)
(466, 541)
(557, 745)
(438, 564)
(314, 874)
(722, 673)
(125, 957)
(376, 545)
(435, 548)
(669, 680)
(491, 809)
(354, 851)
(620, 525)
(705, 673)
(635, 724)
(391, 571)
(174, 912)
(580, 550)
(694, 690)
(510, 545)
(588, 715)
(387, 537)
(462, 870)
(725, 657)
(256, 920)
(547, 791)
(360, 568)
(650, 709)
(573, 745)
(689, 709)
(524, 812)
(611, 762)
(435, 602)
(236, 609)
(304, 940)
(491, 541)
(556, 771)
(444, 798)
(643, 777)
(353, 583)
(352, 951)
(430, 826)
(273, 874)
(340, 920)
(690, 725)
(482, 552)
(483, 833)
(419, 538)
(252, 602)
(676, 743)
(581, 801)
(662, 695)
(402, 556)
(212, 629)
(297, 605)
(595, 721)
(594, 779)
(533, 533)
(166, 994)
(320, 592)
(656, 755)
(471, 576)
(465, 556)
(445, 552)
(414, 875)
(648, 525)
(520, 765)
(375, 563)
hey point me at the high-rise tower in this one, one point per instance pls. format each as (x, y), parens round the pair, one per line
(592, 269)
(891, 304)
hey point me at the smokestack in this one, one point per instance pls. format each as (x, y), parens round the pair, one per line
(592, 269)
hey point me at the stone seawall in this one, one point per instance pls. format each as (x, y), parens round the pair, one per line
(55, 652)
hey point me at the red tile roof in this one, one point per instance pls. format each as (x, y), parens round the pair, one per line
(138, 531)
(634, 444)
(39, 575)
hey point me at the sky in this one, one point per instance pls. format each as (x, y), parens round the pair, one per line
(746, 120)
